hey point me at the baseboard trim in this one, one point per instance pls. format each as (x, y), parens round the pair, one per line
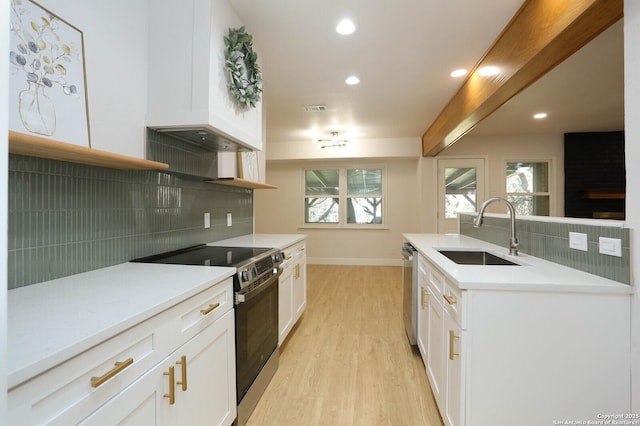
(354, 261)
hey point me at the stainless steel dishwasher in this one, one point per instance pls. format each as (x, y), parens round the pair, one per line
(410, 290)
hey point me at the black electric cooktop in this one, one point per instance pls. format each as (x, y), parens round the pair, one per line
(206, 255)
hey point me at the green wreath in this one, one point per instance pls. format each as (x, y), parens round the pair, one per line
(245, 79)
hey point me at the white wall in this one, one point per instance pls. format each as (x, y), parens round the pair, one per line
(115, 45)
(4, 128)
(500, 149)
(632, 155)
(367, 148)
(281, 210)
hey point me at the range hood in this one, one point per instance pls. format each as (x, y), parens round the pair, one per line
(202, 136)
(188, 97)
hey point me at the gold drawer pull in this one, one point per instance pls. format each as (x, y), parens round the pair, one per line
(209, 309)
(450, 299)
(172, 386)
(119, 366)
(183, 364)
(452, 350)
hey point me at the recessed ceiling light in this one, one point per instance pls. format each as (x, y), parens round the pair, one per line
(458, 73)
(540, 115)
(488, 71)
(351, 80)
(346, 27)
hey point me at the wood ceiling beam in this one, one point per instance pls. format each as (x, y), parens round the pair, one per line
(542, 34)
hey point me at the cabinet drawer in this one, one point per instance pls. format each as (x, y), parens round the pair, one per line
(454, 301)
(435, 280)
(69, 392)
(194, 314)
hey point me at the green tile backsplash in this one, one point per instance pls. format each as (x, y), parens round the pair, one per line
(550, 241)
(67, 218)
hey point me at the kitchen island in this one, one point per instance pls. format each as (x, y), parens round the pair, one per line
(531, 343)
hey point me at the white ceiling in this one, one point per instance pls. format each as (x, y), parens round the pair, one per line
(403, 52)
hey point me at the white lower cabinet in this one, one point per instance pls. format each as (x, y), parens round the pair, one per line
(122, 380)
(453, 360)
(193, 386)
(503, 357)
(292, 289)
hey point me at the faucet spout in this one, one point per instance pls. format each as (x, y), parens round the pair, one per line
(513, 241)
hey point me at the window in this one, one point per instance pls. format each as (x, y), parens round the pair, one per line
(352, 197)
(528, 187)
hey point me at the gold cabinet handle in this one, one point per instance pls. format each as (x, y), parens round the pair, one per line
(450, 299)
(209, 309)
(172, 386)
(119, 366)
(183, 364)
(297, 270)
(452, 350)
(288, 257)
(424, 295)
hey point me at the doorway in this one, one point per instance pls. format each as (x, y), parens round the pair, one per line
(461, 183)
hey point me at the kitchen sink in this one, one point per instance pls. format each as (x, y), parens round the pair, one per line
(475, 257)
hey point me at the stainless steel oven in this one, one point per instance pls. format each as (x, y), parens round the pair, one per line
(256, 312)
(256, 343)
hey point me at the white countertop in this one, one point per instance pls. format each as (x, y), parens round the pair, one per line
(532, 274)
(278, 241)
(53, 321)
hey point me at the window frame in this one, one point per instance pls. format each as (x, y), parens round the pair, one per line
(342, 198)
(550, 182)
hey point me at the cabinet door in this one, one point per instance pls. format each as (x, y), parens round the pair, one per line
(140, 404)
(208, 375)
(454, 353)
(435, 350)
(423, 314)
(300, 283)
(285, 303)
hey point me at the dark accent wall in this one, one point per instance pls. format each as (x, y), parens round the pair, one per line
(67, 218)
(593, 161)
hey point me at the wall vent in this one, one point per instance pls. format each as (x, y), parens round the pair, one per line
(315, 108)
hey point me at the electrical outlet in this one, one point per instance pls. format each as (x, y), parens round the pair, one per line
(229, 219)
(578, 241)
(207, 220)
(610, 246)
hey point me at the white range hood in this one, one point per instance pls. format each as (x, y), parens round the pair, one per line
(187, 85)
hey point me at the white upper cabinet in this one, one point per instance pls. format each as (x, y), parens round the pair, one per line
(187, 82)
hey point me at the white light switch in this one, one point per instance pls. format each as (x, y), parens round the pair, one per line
(207, 220)
(610, 246)
(578, 241)
(229, 219)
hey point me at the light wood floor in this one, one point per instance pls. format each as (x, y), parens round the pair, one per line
(348, 361)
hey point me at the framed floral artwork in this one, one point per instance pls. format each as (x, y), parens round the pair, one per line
(47, 83)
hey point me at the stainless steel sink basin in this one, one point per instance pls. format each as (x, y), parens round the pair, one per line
(467, 257)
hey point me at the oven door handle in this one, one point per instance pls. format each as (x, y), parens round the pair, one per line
(245, 297)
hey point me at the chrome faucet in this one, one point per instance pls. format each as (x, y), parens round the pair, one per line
(513, 242)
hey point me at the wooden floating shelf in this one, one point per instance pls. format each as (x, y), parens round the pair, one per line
(34, 146)
(242, 183)
(604, 194)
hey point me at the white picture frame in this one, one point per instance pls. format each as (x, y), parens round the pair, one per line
(47, 79)
(248, 168)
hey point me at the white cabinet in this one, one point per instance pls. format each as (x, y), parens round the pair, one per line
(285, 302)
(423, 310)
(193, 386)
(187, 83)
(292, 288)
(123, 377)
(497, 357)
(299, 280)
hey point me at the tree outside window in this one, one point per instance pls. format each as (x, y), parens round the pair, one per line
(528, 187)
(360, 191)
